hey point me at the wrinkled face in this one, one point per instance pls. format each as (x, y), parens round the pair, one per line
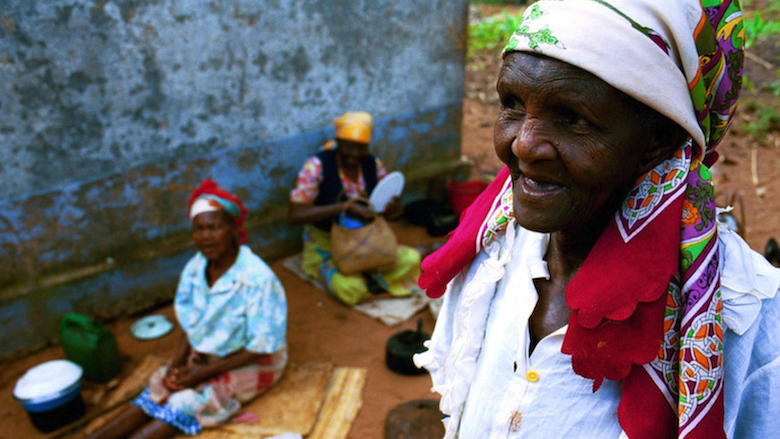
(572, 142)
(214, 234)
(351, 153)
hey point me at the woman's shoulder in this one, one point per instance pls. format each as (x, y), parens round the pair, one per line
(196, 264)
(252, 269)
(316, 158)
(312, 162)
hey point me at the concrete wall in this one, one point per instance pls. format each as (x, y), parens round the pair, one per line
(112, 111)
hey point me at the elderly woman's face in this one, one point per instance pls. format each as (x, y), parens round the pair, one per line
(214, 234)
(572, 142)
(351, 153)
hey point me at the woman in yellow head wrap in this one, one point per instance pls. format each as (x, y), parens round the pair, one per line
(345, 169)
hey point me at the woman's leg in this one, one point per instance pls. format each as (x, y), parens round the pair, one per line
(349, 289)
(318, 263)
(402, 278)
(316, 247)
(155, 429)
(128, 421)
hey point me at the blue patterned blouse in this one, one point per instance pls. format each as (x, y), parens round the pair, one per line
(245, 308)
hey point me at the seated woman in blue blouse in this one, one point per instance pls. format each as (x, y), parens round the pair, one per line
(233, 311)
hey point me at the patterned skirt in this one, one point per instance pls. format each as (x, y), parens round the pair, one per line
(214, 401)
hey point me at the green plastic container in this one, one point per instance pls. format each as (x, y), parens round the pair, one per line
(91, 345)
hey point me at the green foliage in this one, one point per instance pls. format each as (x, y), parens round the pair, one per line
(750, 105)
(766, 119)
(774, 86)
(756, 27)
(761, 111)
(748, 85)
(764, 113)
(769, 6)
(492, 32)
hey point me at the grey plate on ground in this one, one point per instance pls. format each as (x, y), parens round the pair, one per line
(151, 327)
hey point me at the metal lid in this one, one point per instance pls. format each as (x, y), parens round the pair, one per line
(47, 380)
(151, 327)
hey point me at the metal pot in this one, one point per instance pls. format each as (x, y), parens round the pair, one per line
(51, 394)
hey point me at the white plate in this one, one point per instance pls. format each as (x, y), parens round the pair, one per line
(390, 186)
(151, 327)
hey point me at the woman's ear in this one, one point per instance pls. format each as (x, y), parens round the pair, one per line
(231, 223)
(236, 236)
(665, 137)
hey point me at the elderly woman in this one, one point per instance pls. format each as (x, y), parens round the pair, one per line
(327, 185)
(589, 291)
(233, 311)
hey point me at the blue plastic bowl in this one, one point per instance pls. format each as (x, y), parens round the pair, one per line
(51, 394)
(347, 222)
(52, 402)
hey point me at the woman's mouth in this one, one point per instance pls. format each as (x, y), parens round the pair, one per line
(207, 248)
(535, 188)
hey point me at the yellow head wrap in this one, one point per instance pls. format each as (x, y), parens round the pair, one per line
(354, 126)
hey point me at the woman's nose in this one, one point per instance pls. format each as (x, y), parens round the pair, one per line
(533, 142)
(203, 234)
(352, 154)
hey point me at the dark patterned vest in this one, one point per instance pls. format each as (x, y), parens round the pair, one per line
(331, 189)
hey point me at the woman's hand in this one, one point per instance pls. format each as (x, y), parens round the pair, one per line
(172, 380)
(193, 376)
(186, 373)
(309, 213)
(393, 208)
(195, 373)
(179, 378)
(363, 211)
(178, 365)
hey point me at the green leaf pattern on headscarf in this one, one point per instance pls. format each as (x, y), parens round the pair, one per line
(535, 38)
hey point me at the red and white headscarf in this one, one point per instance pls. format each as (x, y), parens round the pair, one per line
(209, 197)
(646, 305)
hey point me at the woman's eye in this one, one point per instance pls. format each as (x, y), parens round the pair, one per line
(574, 119)
(513, 103)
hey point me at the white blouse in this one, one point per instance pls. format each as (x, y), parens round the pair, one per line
(492, 388)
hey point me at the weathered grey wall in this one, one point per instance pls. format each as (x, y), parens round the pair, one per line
(112, 111)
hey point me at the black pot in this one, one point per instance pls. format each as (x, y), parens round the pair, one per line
(50, 420)
(402, 346)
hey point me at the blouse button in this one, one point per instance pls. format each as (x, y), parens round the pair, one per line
(532, 376)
